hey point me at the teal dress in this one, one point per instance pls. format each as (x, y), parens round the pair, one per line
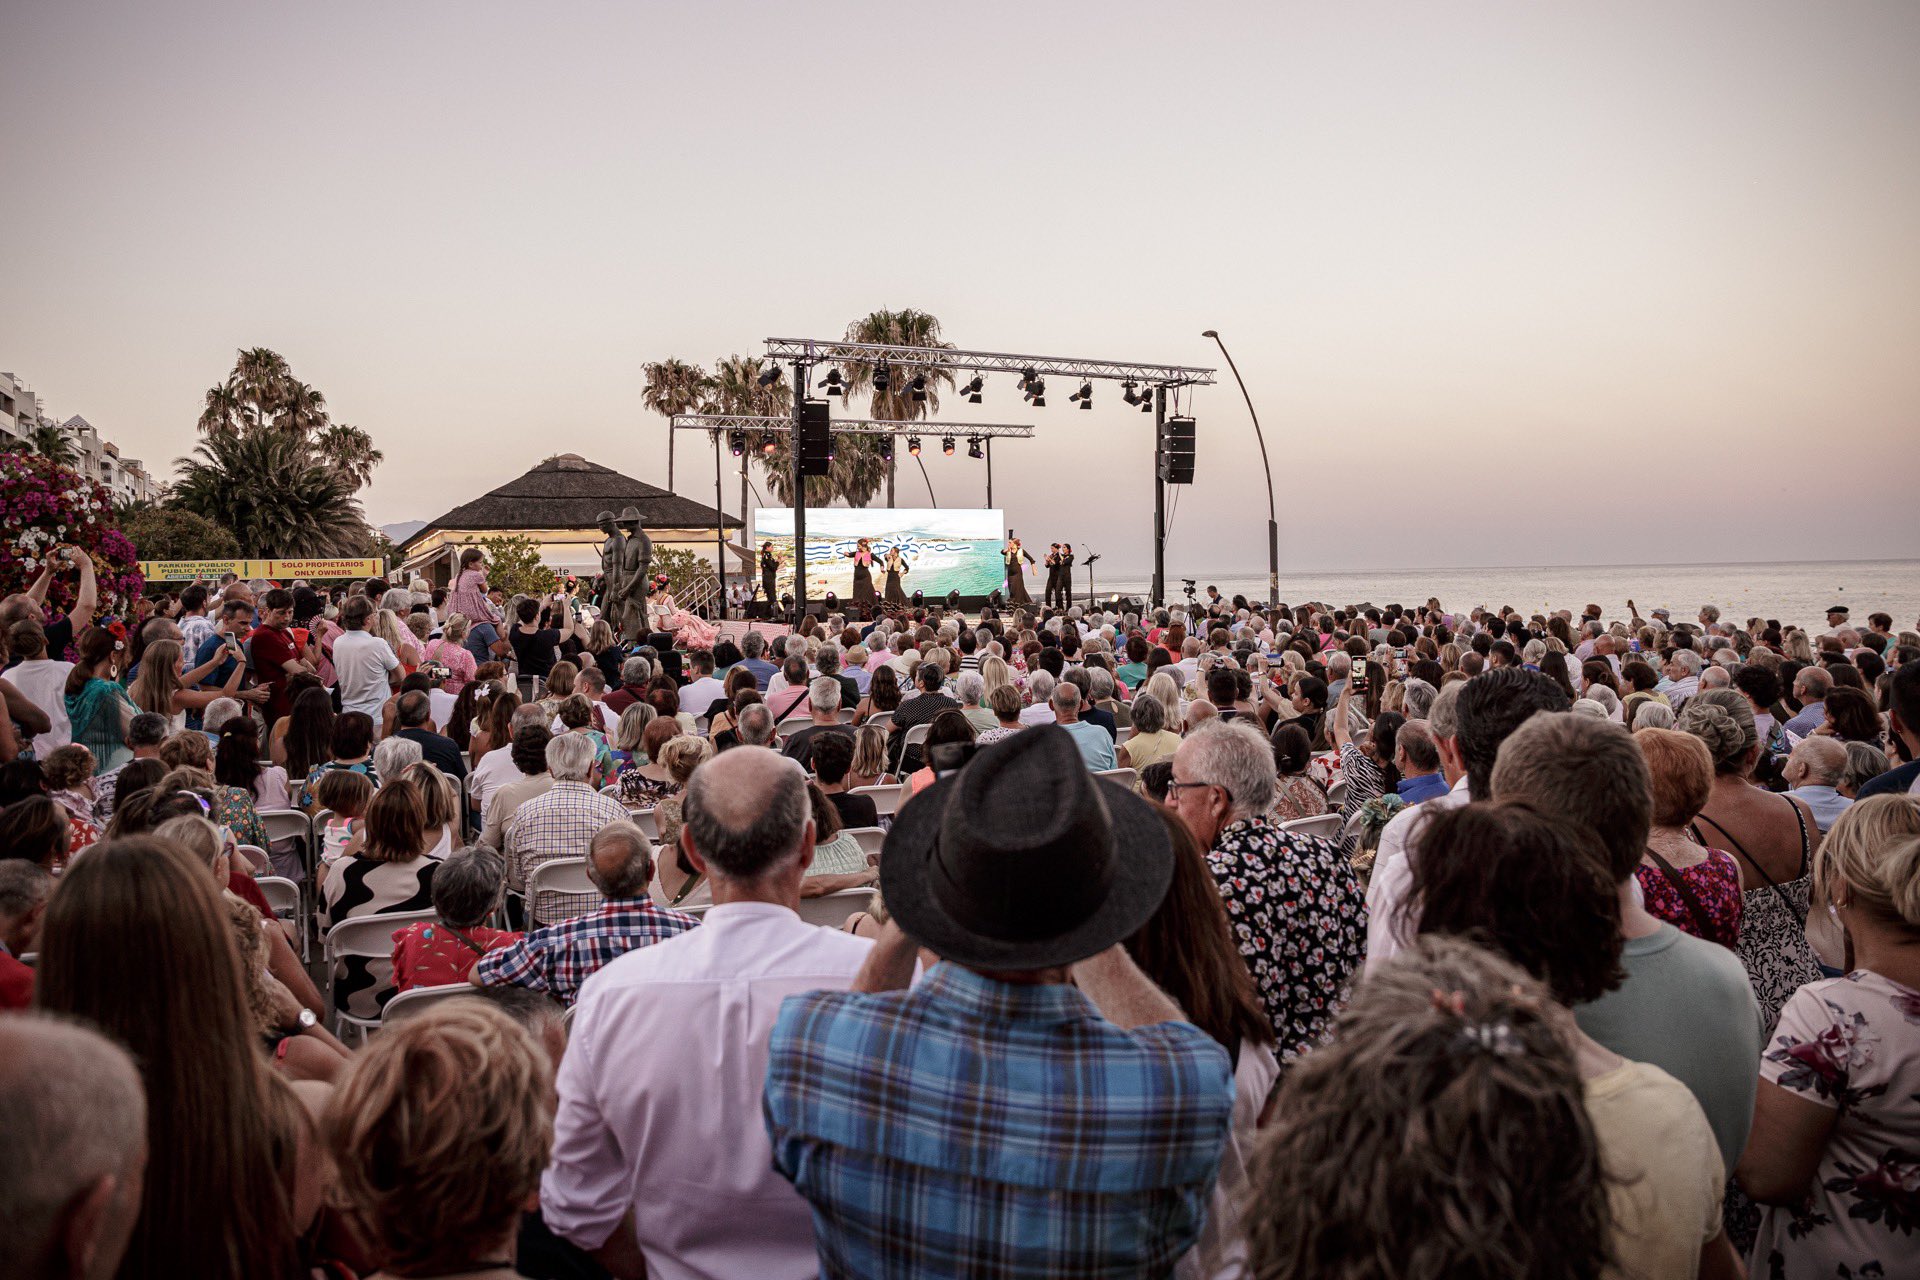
(99, 714)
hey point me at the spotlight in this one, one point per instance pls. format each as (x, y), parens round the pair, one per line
(1130, 392)
(1037, 393)
(1027, 377)
(882, 379)
(946, 445)
(737, 441)
(769, 445)
(886, 448)
(972, 390)
(834, 384)
(1146, 402)
(770, 377)
(919, 386)
(973, 448)
(1084, 395)
(913, 445)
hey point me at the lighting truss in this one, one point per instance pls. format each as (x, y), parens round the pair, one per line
(834, 351)
(848, 426)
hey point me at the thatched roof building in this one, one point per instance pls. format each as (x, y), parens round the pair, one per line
(556, 504)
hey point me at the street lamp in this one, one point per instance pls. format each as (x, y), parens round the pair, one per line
(1273, 519)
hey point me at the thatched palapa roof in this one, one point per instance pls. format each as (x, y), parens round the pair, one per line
(568, 492)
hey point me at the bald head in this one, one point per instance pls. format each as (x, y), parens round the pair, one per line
(1199, 711)
(746, 812)
(1818, 761)
(620, 861)
(75, 1115)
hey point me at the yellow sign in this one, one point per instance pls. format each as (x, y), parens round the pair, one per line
(277, 570)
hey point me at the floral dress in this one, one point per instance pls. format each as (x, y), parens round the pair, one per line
(1300, 797)
(1851, 1044)
(1714, 883)
(1300, 921)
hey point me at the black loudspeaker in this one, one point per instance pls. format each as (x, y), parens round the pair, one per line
(1176, 451)
(816, 439)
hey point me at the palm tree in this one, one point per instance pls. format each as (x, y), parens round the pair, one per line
(908, 328)
(273, 494)
(298, 410)
(350, 449)
(735, 388)
(53, 444)
(674, 387)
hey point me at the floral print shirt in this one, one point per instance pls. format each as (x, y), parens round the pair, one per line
(1852, 1044)
(1300, 920)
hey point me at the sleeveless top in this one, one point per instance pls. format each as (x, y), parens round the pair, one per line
(1773, 931)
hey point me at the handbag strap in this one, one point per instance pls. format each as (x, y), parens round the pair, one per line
(1702, 923)
(477, 948)
(1758, 870)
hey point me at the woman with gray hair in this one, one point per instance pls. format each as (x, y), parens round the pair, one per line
(1653, 715)
(466, 890)
(1771, 836)
(1865, 762)
(971, 688)
(393, 755)
(1040, 687)
(1152, 740)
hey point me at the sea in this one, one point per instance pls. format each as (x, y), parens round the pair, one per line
(1794, 592)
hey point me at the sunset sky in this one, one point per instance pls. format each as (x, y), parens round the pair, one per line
(1509, 283)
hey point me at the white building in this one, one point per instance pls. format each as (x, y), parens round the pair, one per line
(22, 413)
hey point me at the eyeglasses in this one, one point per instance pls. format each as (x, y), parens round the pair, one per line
(1182, 786)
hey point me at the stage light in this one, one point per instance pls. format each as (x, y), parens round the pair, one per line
(1146, 403)
(769, 445)
(770, 377)
(737, 441)
(1130, 392)
(1027, 377)
(834, 384)
(1084, 395)
(913, 445)
(973, 388)
(886, 448)
(946, 445)
(973, 448)
(882, 379)
(919, 386)
(1037, 393)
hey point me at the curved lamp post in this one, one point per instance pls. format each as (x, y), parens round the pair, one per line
(1273, 520)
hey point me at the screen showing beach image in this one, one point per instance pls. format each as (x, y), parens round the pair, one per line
(943, 550)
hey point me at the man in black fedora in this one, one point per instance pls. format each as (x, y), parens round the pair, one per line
(1035, 1106)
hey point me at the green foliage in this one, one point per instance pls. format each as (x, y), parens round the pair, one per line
(513, 565)
(261, 396)
(273, 495)
(161, 534)
(682, 567)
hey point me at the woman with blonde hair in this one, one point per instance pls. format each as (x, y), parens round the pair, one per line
(1449, 1079)
(629, 733)
(995, 672)
(674, 877)
(439, 807)
(386, 624)
(869, 767)
(439, 1132)
(1838, 1106)
(450, 651)
(1165, 688)
(162, 689)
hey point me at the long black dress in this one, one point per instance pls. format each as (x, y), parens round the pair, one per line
(895, 567)
(863, 596)
(767, 565)
(1016, 580)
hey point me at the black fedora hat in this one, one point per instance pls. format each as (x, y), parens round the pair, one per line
(1025, 860)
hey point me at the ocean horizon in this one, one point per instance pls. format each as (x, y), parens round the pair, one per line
(1795, 592)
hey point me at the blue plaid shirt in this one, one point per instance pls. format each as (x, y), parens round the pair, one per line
(975, 1127)
(561, 957)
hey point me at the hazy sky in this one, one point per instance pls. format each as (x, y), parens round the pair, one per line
(1514, 283)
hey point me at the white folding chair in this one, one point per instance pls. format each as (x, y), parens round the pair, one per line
(871, 840)
(881, 719)
(846, 715)
(257, 861)
(703, 726)
(649, 824)
(284, 898)
(370, 937)
(887, 797)
(1337, 794)
(561, 875)
(792, 725)
(916, 735)
(1128, 778)
(1326, 826)
(420, 999)
(831, 910)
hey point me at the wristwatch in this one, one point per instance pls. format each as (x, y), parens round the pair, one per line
(307, 1019)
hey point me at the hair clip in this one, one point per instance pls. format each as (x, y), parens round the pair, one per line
(1496, 1038)
(1453, 1002)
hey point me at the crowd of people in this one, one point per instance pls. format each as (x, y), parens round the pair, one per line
(1358, 941)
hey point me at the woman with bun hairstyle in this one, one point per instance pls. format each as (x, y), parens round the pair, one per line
(1771, 836)
(1836, 1120)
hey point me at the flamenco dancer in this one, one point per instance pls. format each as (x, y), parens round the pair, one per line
(1011, 555)
(687, 630)
(862, 557)
(896, 564)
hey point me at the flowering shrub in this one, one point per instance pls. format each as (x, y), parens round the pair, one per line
(42, 505)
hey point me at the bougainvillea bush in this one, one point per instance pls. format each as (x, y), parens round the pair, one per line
(43, 504)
